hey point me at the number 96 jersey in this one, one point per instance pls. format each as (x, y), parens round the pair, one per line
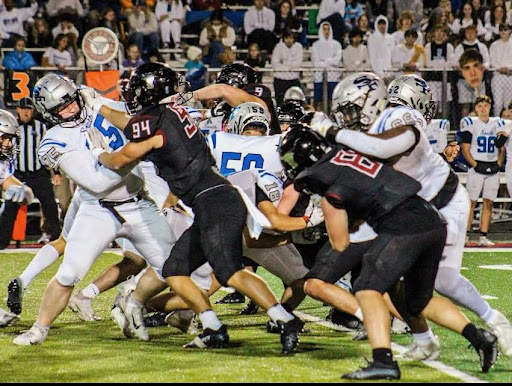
(481, 136)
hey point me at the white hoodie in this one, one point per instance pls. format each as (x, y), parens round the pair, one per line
(326, 53)
(380, 48)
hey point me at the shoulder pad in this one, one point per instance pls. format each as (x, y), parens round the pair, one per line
(50, 151)
(257, 89)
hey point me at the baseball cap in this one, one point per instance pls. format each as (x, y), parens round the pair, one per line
(26, 103)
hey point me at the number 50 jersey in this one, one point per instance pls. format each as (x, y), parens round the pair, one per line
(234, 152)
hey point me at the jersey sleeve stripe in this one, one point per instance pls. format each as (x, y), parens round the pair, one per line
(52, 142)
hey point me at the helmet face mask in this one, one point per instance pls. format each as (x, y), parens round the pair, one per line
(9, 136)
(295, 93)
(412, 91)
(358, 100)
(249, 116)
(290, 112)
(52, 94)
(149, 84)
(300, 149)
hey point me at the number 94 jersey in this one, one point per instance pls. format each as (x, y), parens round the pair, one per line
(481, 136)
(234, 152)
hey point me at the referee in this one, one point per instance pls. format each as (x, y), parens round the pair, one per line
(30, 171)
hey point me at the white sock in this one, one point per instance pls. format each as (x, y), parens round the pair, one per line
(139, 275)
(359, 314)
(424, 337)
(44, 329)
(210, 320)
(91, 291)
(277, 312)
(488, 314)
(46, 256)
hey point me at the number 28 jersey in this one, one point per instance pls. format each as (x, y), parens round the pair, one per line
(481, 136)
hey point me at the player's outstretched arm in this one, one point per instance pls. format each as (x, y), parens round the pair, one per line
(232, 95)
(132, 152)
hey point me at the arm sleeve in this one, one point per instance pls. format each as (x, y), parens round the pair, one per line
(374, 146)
(466, 136)
(78, 167)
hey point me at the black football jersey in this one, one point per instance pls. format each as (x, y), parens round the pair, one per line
(366, 189)
(261, 91)
(184, 161)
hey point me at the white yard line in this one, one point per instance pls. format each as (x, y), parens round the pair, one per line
(452, 372)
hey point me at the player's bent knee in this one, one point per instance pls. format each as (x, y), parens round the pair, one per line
(67, 276)
(312, 286)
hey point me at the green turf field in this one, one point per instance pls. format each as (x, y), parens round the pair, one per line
(97, 352)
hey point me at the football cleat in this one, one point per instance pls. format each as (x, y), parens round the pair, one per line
(8, 318)
(273, 327)
(483, 241)
(183, 320)
(422, 352)
(399, 327)
(233, 297)
(343, 319)
(82, 307)
(156, 319)
(210, 339)
(15, 295)
(290, 334)
(119, 317)
(487, 349)
(250, 308)
(31, 337)
(361, 333)
(500, 326)
(376, 370)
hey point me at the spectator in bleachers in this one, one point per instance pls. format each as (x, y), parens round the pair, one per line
(404, 24)
(499, 3)
(206, 5)
(287, 54)
(66, 27)
(468, 16)
(97, 9)
(374, 8)
(171, 17)
(12, 20)
(109, 20)
(440, 54)
(132, 60)
(325, 53)
(500, 55)
(55, 8)
(58, 55)
(409, 56)
(196, 71)
(143, 28)
(498, 17)
(256, 59)
(438, 16)
(128, 6)
(286, 20)
(380, 47)
(259, 23)
(155, 56)
(353, 11)
(216, 39)
(480, 10)
(355, 56)
(333, 11)
(472, 66)
(19, 59)
(396, 7)
(363, 26)
(506, 113)
(39, 36)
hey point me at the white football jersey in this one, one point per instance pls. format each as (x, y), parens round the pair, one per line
(421, 162)
(483, 136)
(211, 125)
(234, 153)
(269, 183)
(6, 170)
(437, 134)
(60, 141)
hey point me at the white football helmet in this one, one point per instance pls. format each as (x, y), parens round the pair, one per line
(295, 93)
(9, 129)
(412, 91)
(358, 100)
(54, 92)
(248, 114)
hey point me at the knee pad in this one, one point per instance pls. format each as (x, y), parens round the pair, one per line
(67, 276)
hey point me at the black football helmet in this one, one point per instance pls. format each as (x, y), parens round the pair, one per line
(300, 149)
(149, 84)
(237, 75)
(290, 112)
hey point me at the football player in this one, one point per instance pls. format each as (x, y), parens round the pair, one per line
(113, 204)
(478, 135)
(398, 135)
(165, 134)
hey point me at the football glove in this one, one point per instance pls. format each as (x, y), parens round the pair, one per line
(313, 215)
(97, 142)
(91, 98)
(487, 168)
(19, 193)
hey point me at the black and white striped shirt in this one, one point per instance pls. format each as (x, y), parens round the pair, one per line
(31, 134)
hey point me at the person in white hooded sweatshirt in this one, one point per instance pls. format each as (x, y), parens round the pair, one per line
(380, 48)
(325, 53)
